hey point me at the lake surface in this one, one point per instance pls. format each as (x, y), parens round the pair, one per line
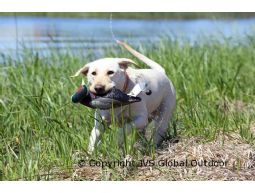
(45, 34)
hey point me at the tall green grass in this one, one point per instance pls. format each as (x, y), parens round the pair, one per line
(43, 133)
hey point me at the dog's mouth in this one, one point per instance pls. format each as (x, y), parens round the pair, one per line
(101, 94)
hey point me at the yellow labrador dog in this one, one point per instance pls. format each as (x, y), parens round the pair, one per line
(106, 73)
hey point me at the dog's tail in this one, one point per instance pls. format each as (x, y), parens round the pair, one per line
(143, 58)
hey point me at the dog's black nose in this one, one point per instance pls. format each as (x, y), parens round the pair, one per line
(100, 89)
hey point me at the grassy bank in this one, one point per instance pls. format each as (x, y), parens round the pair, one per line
(140, 15)
(44, 136)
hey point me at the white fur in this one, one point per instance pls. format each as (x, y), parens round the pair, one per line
(158, 106)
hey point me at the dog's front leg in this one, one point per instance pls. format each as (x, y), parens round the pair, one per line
(95, 133)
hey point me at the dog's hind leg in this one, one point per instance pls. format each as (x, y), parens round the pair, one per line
(162, 119)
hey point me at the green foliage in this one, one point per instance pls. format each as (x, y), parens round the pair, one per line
(138, 15)
(42, 131)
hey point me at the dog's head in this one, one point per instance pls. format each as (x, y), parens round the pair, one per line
(104, 74)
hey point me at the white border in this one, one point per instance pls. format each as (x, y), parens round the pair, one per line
(127, 5)
(147, 187)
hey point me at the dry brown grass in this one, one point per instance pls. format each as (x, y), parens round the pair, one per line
(240, 158)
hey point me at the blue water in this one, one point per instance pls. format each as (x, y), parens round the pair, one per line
(44, 34)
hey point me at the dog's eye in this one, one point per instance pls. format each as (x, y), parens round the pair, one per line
(110, 72)
(94, 73)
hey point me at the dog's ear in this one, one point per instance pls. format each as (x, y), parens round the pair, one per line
(84, 70)
(124, 62)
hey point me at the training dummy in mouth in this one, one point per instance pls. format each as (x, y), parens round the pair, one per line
(113, 98)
